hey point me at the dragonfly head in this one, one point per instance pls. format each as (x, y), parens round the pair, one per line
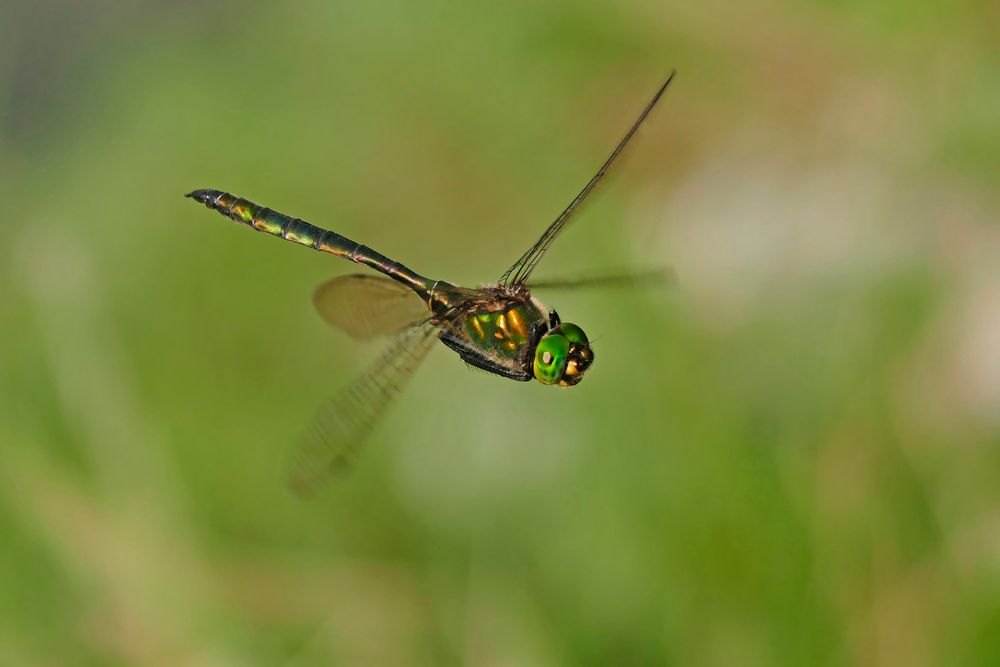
(562, 356)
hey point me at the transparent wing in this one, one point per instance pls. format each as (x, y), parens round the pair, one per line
(522, 268)
(365, 306)
(342, 425)
(655, 278)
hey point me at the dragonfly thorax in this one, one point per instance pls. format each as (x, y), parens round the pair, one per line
(512, 334)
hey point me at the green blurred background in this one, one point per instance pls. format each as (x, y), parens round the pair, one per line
(790, 458)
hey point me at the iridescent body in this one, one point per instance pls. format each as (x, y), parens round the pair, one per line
(299, 231)
(504, 332)
(499, 328)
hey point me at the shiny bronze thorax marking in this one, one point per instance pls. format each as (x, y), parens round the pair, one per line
(504, 332)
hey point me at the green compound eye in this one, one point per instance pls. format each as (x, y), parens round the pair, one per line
(550, 358)
(573, 333)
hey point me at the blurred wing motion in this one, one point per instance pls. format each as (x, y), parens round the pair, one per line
(656, 278)
(522, 268)
(332, 441)
(367, 306)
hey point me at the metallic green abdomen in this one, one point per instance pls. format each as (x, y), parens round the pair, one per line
(505, 332)
(299, 231)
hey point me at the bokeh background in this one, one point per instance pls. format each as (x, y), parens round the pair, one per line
(792, 457)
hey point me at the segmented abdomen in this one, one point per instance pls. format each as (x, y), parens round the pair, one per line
(299, 231)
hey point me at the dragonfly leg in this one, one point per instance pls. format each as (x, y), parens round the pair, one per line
(480, 360)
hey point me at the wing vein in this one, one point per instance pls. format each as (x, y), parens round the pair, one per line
(521, 270)
(340, 426)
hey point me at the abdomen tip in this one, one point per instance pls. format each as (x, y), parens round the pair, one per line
(202, 196)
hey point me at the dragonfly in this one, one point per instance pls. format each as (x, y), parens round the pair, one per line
(499, 327)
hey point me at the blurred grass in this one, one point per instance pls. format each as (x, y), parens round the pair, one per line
(791, 458)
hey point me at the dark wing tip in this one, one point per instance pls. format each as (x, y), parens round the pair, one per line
(663, 89)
